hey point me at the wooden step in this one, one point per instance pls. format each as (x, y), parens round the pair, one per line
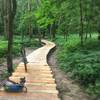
(31, 87)
(32, 75)
(32, 68)
(35, 71)
(44, 91)
(28, 96)
(41, 84)
(49, 81)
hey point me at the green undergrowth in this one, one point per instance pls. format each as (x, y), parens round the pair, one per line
(17, 43)
(4, 75)
(81, 63)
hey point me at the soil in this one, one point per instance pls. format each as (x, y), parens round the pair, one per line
(68, 89)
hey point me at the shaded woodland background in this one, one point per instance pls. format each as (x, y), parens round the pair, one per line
(73, 24)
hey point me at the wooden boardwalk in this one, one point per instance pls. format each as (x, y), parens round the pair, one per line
(39, 78)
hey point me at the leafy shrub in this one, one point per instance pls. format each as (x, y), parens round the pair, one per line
(83, 63)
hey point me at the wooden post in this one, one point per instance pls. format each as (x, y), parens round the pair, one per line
(24, 58)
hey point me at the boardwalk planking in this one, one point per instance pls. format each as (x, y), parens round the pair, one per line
(39, 78)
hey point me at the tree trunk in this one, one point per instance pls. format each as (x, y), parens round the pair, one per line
(88, 30)
(39, 36)
(10, 44)
(43, 34)
(99, 33)
(93, 15)
(10, 37)
(30, 29)
(81, 22)
(86, 36)
(50, 31)
(87, 23)
(66, 32)
(11, 11)
(90, 35)
(4, 14)
(53, 31)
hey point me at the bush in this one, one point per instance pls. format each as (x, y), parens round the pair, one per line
(83, 63)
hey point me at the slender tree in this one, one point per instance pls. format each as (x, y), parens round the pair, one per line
(9, 14)
(38, 2)
(81, 22)
(30, 25)
(4, 16)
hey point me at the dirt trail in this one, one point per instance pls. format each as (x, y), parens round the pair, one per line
(68, 89)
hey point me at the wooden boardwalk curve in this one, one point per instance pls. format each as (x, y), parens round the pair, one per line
(39, 78)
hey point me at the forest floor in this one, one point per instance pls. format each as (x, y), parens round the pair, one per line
(68, 89)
